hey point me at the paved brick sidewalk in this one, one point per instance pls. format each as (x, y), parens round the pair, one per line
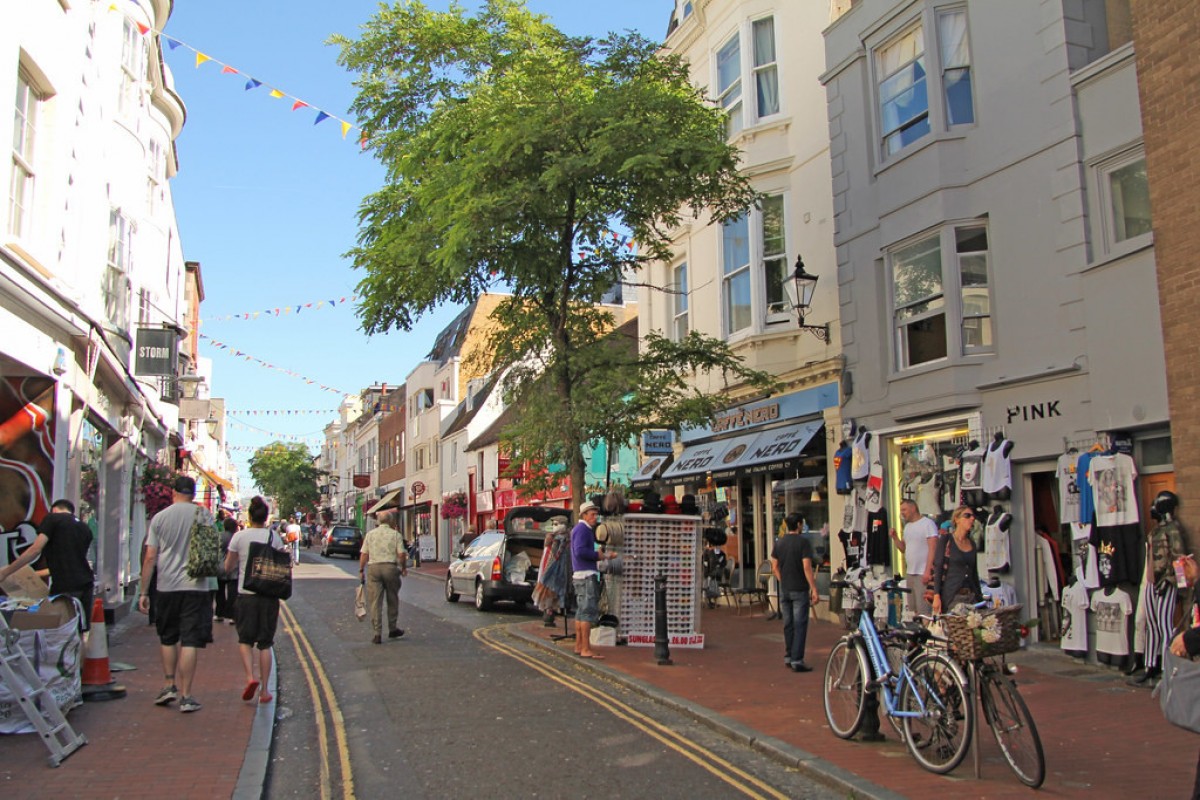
(1101, 737)
(136, 749)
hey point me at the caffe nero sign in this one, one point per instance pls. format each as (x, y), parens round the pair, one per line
(155, 352)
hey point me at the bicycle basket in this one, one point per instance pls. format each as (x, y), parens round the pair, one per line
(967, 640)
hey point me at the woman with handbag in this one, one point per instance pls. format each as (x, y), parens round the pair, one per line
(955, 574)
(257, 614)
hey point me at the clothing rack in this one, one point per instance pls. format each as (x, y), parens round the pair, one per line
(1082, 443)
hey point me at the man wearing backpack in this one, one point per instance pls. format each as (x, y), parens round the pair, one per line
(183, 606)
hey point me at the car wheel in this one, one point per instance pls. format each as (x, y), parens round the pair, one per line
(482, 601)
(451, 595)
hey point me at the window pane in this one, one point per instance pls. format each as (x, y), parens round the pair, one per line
(681, 288)
(735, 241)
(920, 309)
(977, 333)
(766, 82)
(729, 66)
(976, 302)
(737, 301)
(924, 340)
(1130, 195)
(774, 244)
(973, 270)
(970, 240)
(902, 97)
(917, 271)
(903, 102)
(766, 76)
(959, 108)
(764, 41)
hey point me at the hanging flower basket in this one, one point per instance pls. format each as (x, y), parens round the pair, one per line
(454, 506)
(157, 484)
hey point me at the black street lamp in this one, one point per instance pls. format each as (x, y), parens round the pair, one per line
(805, 285)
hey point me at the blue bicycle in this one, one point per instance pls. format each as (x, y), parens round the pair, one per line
(924, 691)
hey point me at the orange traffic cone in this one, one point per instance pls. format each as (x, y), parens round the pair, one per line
(95, 652)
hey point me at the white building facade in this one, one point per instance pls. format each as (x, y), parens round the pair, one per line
(89, 254)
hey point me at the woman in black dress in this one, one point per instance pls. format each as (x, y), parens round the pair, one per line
(955, 575)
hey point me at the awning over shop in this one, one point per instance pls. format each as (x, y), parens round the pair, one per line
(650, 472)
(771, 449)
(212, 478)
(387, 501)
(750, 453)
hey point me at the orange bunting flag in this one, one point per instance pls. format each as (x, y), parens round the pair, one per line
(142, 28)
(299, 104)
(228, 70)
(201, 58)
(276, 93)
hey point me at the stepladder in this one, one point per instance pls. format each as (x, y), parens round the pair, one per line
(35, 700)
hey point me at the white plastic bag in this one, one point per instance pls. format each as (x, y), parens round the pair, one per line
(360, 603)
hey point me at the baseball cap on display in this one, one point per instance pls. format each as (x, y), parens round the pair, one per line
(185, 485)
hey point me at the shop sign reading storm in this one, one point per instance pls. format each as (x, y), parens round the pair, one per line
(155, 352)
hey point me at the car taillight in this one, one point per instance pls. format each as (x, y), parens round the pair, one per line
(497, 573)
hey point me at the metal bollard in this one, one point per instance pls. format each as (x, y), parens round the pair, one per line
(662, 649)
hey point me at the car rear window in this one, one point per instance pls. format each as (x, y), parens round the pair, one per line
(345, 533)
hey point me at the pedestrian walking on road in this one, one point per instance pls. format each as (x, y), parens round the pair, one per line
(183, 605)
(792, 564)
(257, 616)
(227, 582)
(382, 563)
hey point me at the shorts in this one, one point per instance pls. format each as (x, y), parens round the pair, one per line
(587, 599)
(183, 618)
(257, 617)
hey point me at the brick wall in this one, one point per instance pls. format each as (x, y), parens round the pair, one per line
(1165, 33)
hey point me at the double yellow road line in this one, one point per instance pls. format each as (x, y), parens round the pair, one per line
(324, 703)
(736, 777)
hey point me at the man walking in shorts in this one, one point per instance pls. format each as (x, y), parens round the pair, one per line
(183, 606)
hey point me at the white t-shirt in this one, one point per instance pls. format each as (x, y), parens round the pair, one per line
(1112, 620)
(1111, 478)
(1074, 618)
(995, 548)
(917, 535)
(1068, 491)
(240, 544)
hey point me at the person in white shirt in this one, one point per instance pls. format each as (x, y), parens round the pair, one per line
(917, 545)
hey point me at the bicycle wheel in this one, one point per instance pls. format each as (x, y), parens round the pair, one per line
(1008, 717)
(845, 676)
(940, 735)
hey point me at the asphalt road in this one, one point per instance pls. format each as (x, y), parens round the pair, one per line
(456, 708)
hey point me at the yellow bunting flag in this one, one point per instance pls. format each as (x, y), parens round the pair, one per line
(276, 93)
(345, 128)
(201, 58)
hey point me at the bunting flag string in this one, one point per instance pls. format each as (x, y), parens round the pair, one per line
(282, 310)
(239, 354)
(278, 412)
(293, 437)
(251, 82)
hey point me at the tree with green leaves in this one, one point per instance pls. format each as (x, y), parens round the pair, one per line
(512, 152)
(286, 473)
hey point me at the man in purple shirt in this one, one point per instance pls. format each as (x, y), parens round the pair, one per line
(586, 578)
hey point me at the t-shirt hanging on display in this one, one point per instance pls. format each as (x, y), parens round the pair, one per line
(1111, 478)
(1117, 553)
(997, 467)
(1087, 509)
(852, 542)
(860, 458)
(1083, 556)
(995, 551)
(842, 465)
(1068, 491)
(1074, 618)
(879, 545)
(1111, 608)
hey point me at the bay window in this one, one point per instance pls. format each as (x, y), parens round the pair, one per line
(754, 268)
(904, 82)
(925, 297)
(760, 71)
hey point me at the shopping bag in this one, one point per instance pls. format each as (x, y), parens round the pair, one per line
(360, 603)
(268, 571)
(1179, 691)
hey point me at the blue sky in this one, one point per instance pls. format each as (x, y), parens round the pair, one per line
(267, 203)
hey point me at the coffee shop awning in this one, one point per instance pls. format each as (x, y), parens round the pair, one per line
(387, 501)
(747, 454)
(650, 472)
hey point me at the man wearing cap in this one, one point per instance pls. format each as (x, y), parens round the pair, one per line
(183, 606)
(586, 578)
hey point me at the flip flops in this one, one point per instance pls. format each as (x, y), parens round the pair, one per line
(248, 692)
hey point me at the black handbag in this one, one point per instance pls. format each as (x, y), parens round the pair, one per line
(268, 571)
